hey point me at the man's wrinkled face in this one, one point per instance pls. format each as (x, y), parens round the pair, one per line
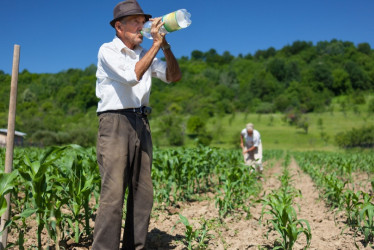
(249, 132)
(129, 30)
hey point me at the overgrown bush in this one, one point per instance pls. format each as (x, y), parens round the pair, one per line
(196, 127)
(265, 108)
(171, 127)
(371, 106)
(362, 137)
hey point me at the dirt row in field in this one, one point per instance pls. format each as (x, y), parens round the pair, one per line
(326, 233)
(236, 232)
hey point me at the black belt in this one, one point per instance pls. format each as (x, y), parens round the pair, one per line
(144, 110)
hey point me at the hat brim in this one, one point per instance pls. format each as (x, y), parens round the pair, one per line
(147, 17)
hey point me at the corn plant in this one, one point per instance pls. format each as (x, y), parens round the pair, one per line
(6, 186)
(20, 229)
(284, 219)
(334, 188)
(195, 238)
(79, 184)
(366, 217)
(11, 183)
(41, 188)
(237, 186)
(352, 204)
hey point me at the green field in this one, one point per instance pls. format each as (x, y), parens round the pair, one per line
(277, 134)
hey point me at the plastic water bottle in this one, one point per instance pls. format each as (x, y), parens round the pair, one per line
(176, 20)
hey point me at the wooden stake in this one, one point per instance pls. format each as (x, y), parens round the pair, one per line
(10, 138)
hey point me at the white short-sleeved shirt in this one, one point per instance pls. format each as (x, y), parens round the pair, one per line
(254, 140)
(117, 86)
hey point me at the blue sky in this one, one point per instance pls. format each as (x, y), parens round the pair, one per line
(56, 35)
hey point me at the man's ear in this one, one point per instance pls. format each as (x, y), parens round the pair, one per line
(118, 26)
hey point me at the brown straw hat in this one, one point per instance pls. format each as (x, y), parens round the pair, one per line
(127, 8)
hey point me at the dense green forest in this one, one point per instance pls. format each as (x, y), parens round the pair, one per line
(299, 78)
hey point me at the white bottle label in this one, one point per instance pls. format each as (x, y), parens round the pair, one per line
(171, 23)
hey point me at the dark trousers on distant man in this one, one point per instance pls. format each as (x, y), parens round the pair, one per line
(124, 155)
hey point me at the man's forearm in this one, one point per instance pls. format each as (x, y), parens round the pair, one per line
(142, 66)
(251, 148)
(173, 72)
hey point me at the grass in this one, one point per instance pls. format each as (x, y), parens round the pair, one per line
(277, 134)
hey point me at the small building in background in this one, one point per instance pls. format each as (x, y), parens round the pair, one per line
(18, 138)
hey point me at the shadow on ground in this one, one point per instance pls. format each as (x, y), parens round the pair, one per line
(160, 240)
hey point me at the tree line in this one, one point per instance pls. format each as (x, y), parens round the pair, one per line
(299, 78)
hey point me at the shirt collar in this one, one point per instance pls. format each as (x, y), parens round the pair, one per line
(122, 47)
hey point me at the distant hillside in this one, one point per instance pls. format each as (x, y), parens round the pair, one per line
(302, 77)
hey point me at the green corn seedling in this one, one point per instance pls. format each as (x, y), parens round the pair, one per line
(284, 220)
(352, 204)
(79, 185)
(334, 190)
(367, 222)
(6, 186)
(41, 184)
(192, 236)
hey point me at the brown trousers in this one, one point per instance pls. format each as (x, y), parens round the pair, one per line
(124, 155)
